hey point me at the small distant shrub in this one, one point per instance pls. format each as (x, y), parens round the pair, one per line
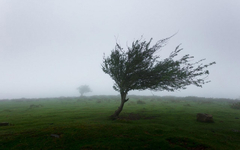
(174, 101)
(99, 101)
(108, 100)
(236, 105)
(131, 103)
(187, 105)
(205, 102)
(18, 100)
(36, 106)
(140, 102)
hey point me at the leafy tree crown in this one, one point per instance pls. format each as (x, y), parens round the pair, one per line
(84, 89)
(139, 68)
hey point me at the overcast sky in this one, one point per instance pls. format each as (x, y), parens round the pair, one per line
(48, 48)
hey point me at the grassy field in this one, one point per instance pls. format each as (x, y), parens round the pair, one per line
(146, 122)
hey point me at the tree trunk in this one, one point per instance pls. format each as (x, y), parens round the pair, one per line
(120, 108)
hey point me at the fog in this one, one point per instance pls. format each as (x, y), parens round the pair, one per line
(49, 48)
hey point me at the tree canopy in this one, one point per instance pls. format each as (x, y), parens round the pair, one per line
(84, 89)
(139, 68)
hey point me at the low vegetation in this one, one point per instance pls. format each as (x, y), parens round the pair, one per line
(83, 123)
(236, 105)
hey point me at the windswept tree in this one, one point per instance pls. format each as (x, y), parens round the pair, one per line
(84, 89)
(139, 68)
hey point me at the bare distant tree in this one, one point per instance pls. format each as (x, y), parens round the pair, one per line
(84, 89)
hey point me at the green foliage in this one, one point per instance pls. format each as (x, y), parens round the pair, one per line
(139, 68)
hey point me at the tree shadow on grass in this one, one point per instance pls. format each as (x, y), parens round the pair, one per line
(135, 116)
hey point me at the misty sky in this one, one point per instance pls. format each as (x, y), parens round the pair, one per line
(48, 48)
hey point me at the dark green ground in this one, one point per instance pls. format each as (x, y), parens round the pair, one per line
(161, 123)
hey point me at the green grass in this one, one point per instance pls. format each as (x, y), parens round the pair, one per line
(164, 123)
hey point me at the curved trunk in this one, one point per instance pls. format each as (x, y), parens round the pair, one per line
(120, 108)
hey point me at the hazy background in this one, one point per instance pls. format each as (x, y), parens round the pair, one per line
(48, 48)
